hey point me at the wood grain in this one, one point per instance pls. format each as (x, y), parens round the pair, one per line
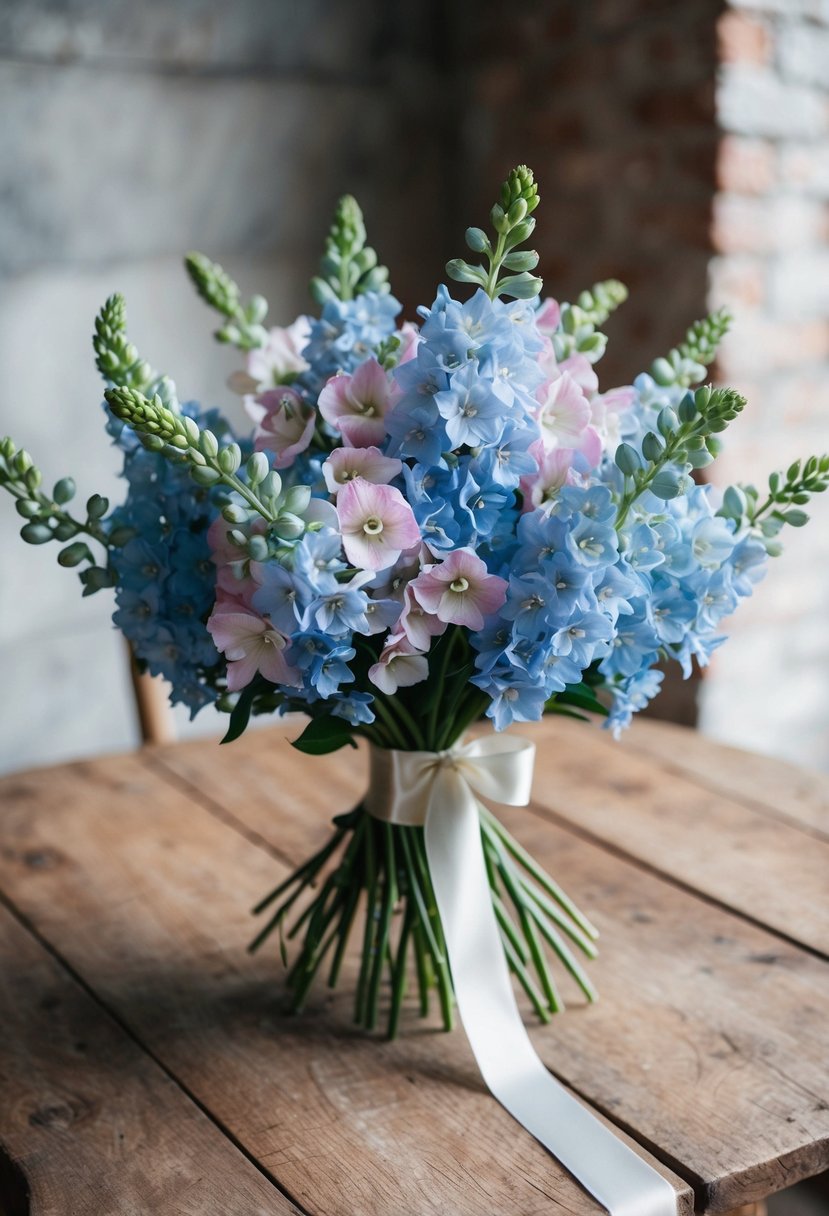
(785, 791)
(754, 863)
(94, 1125)
(710, 1034)
(147, 895)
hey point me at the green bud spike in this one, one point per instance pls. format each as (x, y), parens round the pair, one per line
(349, 266)
(244, 327)
(510, 217)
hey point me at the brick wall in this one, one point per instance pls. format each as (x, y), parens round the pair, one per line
(771, 267)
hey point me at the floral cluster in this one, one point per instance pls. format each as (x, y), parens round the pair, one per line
(453, 504)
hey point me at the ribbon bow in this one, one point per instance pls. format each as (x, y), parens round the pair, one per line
(437, 790)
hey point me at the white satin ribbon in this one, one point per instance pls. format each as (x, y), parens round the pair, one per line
(435, 789)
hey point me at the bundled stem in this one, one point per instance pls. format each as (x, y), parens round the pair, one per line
(385, 867)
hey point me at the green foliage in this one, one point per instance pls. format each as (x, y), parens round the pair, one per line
(46, 517)
(686, 440)
(349, 266)
(511, 217)
(325, 734)
(687, 363)
(788, 492)
(580, 322)
(243, 326)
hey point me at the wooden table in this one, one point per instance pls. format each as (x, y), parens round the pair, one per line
(147, 1066)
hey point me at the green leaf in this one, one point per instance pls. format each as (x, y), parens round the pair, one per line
(324, 735)
(240, 714)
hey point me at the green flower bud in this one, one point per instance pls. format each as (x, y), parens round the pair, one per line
(476, 240)
(64, 491)
(74, 554)
(667, 422)
(257, 310)
(36, 534)
(230, 458)
(233, 513)
(22, 462)
(258, 550)
(702, 397)
(271, 487)
(28, 508)
(257, 468)
(652, 447)
(97, 506)
(628, 459)
(662, 372)
(288, 526)
(517, 212)
(209, 445)
(204, 477)
(32, 479)
(498, 218)
(64, 529)
(296, 499)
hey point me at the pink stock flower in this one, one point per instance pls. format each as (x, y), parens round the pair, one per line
(417, 624)
(268, 365)
(555, 469)
(400, 665)
(250, 644)
(356, 405)
(232, 576)
(409, 336)
(377, 524)
(286, 427)
(460, 590)
(548, 316)
(565, 419)
(344, 464)
(582, 371)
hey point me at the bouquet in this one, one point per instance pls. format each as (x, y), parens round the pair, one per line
(428, 525)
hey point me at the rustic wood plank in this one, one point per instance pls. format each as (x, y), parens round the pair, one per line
(95, 1125)
(760, 866)
(584, 777)
(710, 1032)
(786, 791)
(147, 895)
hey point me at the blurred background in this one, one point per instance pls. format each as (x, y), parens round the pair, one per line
(681, 148)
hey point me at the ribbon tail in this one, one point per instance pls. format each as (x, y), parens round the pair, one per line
(612, 1173)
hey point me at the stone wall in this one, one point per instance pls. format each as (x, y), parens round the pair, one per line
(132, 133)
(768, 687)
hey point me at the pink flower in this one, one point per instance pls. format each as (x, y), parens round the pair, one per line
(409, 336)
(400, 665)
(232, 574)
(548, 316)
(377, 524)
(555, 469)
(344, 464)
(460, 590)
(286, 427)
(250, 644)
(418, 625)
(356, 405)
(269, 365)
(565, 419)
(581, 369)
